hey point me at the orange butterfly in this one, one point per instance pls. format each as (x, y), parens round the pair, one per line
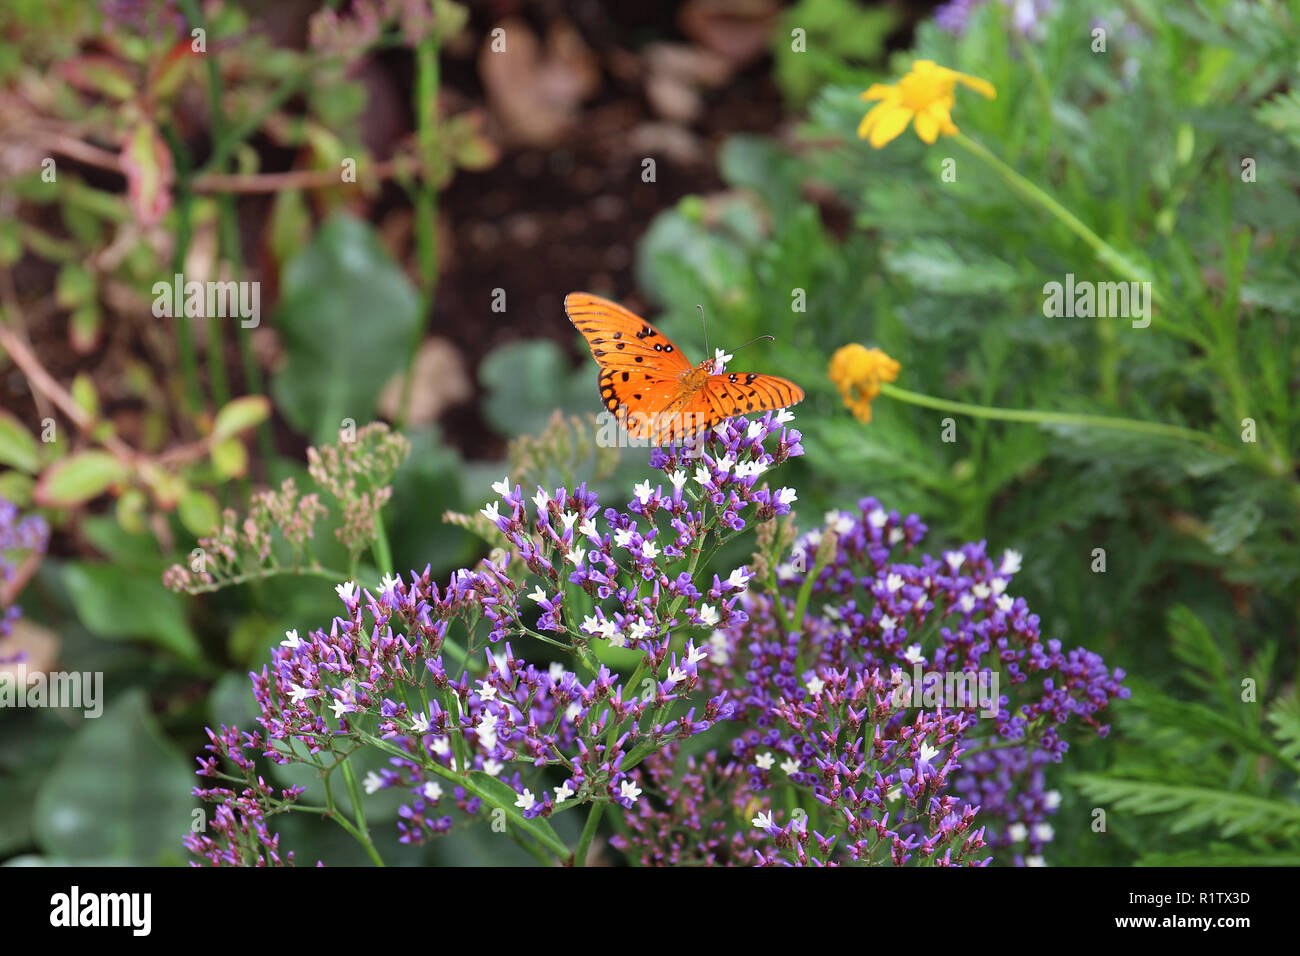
(647, 380)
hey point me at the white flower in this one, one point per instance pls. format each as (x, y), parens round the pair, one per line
(928, 753)
(816, 686)
(747, 469)
(573, 712)
(784, 416)
(762, 822)
(486, 691)
(440, 746)
(708, 615)
(839, 521)
(1017, 832)
(588, 528)
(299, 693)
(591, 624)
(887, 623)
(981, 591)
(893, 582)
(538, 594)
(790, 765)
(955, 559)
(1035, 861)
(896, 535)
(615, 637)
(556, 670)
(1010, 562)
(966, 604)
(998, 585)
(638, 629)
(502, 487)
(720, 360)
(786, 496)
(678, 478)
(877, 517)
(487, 731)
(913, 654)
(347, 591)
(431, 792)
(629, 790)
(541, 499)
(373, 782)
(649, 550)
(576, 555)
(291, 639)
(739, 579)
(420, 723)
(718, 651)
(389, 581)
(339, 707)
(493, 767)
(1043, 832)
(703, 475)
(676, 675)
(755, 431)
(695, 654)
(563, 792)
(642, 491)
(765, 761)
(623, 537)
(1005, 603)
(492, 512)
(526, 800)
(724, 464)
(568, 517)
(1052, 799)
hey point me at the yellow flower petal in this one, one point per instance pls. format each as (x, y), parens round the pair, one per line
(891, 120)
(982, 87)
(880, 91)
(927, 126)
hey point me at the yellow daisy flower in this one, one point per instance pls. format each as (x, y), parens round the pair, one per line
(924, 95)
(857, 372)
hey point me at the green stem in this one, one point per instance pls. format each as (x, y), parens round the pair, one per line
(362, 832)
(1104, 251)
(588, 833)
(1055, 418)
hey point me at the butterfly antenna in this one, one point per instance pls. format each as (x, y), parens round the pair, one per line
(752, 341)
(705, 325)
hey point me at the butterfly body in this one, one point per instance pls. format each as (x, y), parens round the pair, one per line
(658, 393)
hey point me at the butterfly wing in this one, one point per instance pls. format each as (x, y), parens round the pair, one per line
(622, 340)
(737, 393)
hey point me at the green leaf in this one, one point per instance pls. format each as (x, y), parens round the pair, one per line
(526, 381)
(239, 415)
(199, 512)
(18, 447)
(230, 458)
(115, 603)
(120, 792)
(79, 478)
(348, 321)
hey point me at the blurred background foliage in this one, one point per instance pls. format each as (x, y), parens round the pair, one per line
(481, 185)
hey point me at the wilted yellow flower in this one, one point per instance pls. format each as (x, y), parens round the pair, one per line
(925, 94)
(857, 372)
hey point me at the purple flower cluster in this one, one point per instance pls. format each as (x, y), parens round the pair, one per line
(576, 578)
(828, 663)
(954, 16)
(19, 536)
(821, 679)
